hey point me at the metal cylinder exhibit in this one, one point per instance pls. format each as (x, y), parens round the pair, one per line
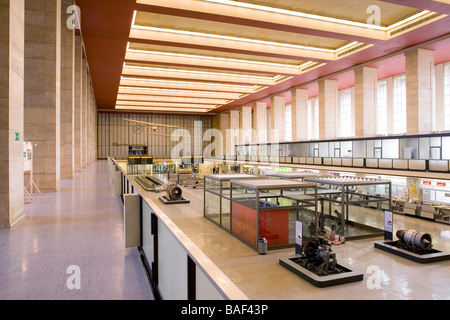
(173, 192)
(415, 238)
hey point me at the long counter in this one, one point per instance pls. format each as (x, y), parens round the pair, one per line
(226, 268)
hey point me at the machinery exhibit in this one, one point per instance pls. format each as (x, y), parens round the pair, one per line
(318, 257)
(174, 195)
(316, 263)
(413, 245)
(414, 241)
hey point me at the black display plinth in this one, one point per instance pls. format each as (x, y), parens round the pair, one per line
(291, 263)
(166, 200)
(392, 247)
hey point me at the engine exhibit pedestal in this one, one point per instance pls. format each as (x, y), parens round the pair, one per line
(346, 275)
(174, 195)
(316, 263)
(394, 247)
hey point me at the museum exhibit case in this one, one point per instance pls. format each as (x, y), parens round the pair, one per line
(352, 207)
(217, 196)
(269, 208)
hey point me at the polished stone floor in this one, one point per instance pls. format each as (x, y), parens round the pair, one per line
(80, 226)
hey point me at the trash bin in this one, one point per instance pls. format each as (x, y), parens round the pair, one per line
(262, 246)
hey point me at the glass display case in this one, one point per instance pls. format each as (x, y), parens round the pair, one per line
(353, 207)
(217, 197)
(269, 208)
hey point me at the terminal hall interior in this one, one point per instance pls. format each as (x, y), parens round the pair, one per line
(225, 150)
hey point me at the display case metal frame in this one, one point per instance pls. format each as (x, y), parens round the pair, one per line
(221, 179)
(343, 200)
(267, 184)
(300, 176)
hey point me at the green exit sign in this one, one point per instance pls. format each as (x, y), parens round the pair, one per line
(16, 136)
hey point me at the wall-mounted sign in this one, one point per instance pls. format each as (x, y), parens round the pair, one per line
(16, 136)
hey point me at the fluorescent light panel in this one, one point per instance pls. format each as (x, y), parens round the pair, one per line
(181, 93)
(219, 59)
(131, 108)
(222, 37)
(195, 74)
(222, 86)
(126, 96)
(136, 103)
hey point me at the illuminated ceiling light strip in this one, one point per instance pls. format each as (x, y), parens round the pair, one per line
(253, 88)
(209, 101)
(221, 37)
(127, 102)
(178, 91)
(296, 14)
(418, 15)
(181, 55)
(314, 16)
(161, 109)
(218, 96)
(201, 72)
(347, 46)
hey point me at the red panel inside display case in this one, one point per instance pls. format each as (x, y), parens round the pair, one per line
(273, 225)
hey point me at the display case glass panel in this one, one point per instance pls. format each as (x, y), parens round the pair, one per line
(269, 208)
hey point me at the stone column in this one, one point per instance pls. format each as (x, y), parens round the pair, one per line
(260, 122)
(365, 101)
(233, 132)
(299, 108)
(327, 108)
(11, 111)
(67, 94)
(88, 121)
(439, 102)
(245, 125)
(419, 70)
(277, 119)
(42, 90)
(84, 109)
(78, 100)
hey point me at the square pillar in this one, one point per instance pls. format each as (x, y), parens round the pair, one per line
(43, 90)
(277, 119)
(260, 122)
(365, 101)
(67, 94)
(78, 102)
(299, 117)
(245, 125)
(328, 90)
(233, 134)
(11, 112)
(419, 72)
(84, 108)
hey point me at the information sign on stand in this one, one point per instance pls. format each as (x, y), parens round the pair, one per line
(298, 237)
(388, 223)
(28, 167)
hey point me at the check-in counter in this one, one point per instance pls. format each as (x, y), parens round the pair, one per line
(385, 163)
(417, 165)
(358, 163)
(442, 214)
(438, 165)
(427, 211)
(401, 164)
(372, 163)
(410, 209)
